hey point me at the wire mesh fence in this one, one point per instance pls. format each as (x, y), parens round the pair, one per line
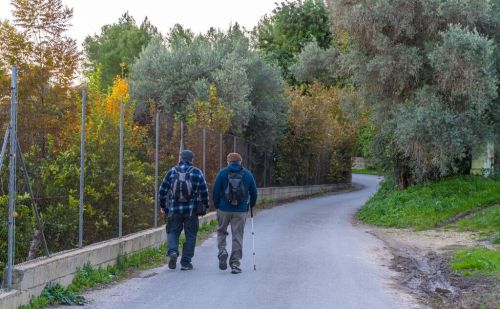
(150, 148)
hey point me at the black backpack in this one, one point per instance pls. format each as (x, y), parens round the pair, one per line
(182, 188)
(234, 192)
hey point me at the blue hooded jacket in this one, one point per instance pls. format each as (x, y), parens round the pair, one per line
(221, 183)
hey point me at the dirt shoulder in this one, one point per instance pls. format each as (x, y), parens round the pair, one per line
(422, 261)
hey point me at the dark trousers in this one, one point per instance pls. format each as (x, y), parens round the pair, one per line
(175, 224)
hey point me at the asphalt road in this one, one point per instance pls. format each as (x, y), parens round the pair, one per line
(308, 255)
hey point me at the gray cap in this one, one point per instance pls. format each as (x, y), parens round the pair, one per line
(186, 155)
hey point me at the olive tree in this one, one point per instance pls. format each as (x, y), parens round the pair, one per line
(174, 74)
(427, 71)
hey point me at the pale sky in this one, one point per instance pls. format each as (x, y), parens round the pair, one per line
(198, 15)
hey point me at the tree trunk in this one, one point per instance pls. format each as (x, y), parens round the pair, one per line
(403, 176)
(35, 243)
(465, 164)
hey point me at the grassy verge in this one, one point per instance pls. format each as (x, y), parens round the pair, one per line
(477, 261)
(486, 222)
(89, 277)
(366, 171)
(429, 205)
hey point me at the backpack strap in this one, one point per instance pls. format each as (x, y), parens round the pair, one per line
(175, 177)
(188, 178)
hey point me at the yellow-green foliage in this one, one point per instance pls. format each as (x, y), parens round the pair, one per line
(318, 137)
(211, 114)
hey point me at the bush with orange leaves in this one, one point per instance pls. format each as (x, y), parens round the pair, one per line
(60, 175)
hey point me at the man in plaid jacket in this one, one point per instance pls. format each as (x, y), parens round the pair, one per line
(182, 214)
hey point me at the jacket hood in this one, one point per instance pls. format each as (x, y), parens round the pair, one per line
(235, 167)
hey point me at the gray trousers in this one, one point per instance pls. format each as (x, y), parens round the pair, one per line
(237, 222)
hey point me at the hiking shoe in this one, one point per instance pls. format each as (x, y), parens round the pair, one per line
(235, 270)
(172, 262)
(186, 266)
(222, 260)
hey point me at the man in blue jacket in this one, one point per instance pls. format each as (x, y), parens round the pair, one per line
(183, 187)
(233, 192)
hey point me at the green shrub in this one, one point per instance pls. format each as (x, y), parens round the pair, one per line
(54, 294)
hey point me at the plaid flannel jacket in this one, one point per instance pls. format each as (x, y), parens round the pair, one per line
(200, 189)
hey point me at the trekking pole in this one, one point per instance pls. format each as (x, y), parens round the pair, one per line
(253, 239)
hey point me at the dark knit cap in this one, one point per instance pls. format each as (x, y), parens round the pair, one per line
(186, 155)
